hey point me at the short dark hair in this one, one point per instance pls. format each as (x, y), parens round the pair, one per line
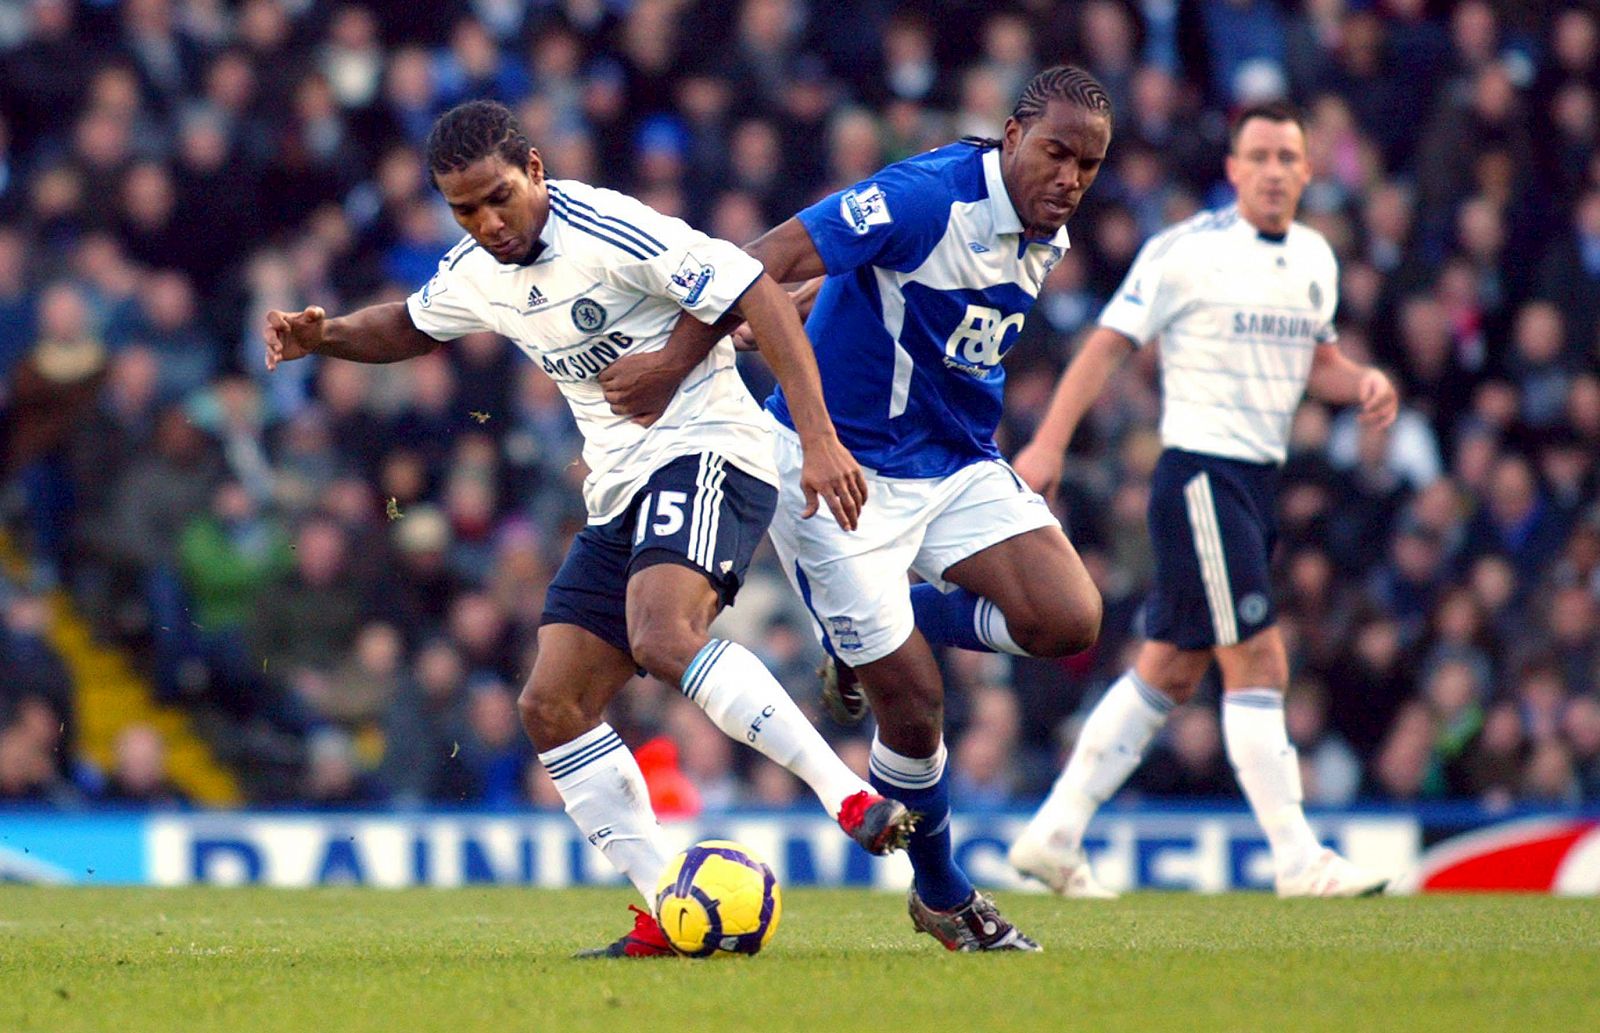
(1270, 111)
(1062, 82)
(473, 131)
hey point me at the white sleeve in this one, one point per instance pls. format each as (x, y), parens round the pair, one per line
(705, 276)
(1328, 302)
(449, 305)
(1145, 302)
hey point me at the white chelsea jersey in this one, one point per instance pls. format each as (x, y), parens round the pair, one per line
(1240, 316)
(612, 279)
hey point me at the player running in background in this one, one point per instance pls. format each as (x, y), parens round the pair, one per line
(923, 275)
(577, 277)
(1242, 299)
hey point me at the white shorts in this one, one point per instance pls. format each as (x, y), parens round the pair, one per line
(854, 582)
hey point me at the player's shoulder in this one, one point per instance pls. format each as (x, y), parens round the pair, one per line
(1307, 238)
(950, 173)
(1198, 231)
(608, 224)
(467, 260)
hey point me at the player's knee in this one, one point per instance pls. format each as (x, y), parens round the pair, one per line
(1061, 630)
(664, 648)
(549, 717)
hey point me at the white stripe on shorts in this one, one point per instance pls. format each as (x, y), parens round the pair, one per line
(697, 505)
(707, 509)
(708, 543)
(1213, 562)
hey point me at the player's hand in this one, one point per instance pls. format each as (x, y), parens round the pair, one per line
(744, 338)
(1039, 466)
(1379, 400)
(830, 473)
(293, 335)
(641, 386)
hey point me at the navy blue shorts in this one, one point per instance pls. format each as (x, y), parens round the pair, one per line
(698, 511)
(1212, 524)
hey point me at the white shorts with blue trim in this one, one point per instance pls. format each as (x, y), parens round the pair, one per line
(854, 582)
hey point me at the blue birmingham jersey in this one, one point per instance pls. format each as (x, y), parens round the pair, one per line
(929, 280)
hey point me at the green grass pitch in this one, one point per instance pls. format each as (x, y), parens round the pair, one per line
(130, 960)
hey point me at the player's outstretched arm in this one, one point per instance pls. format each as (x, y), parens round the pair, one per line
(829, 471)
(1338, 380)
(1039, 462)
(378, 333)
(788, 253)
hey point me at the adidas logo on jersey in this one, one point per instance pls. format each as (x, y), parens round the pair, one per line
(536, 297)
(977, 248)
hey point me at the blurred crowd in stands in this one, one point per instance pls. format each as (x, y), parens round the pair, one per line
(337, 570)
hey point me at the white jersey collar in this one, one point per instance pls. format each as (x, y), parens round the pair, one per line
(1006, 219)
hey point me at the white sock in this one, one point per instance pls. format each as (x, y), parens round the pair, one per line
(743, 699)
(1109, 748)
(989, 624)
(1268, 769)
(600, 783)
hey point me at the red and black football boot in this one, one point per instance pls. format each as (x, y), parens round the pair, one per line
(879, 824)
(645, 941)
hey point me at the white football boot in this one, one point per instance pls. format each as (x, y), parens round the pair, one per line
(1330, 875)
(1065, 871)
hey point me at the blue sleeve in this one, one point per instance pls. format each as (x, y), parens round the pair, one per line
(892, 220)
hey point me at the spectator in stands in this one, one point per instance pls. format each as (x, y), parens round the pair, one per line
(423, 732)
(139, 777)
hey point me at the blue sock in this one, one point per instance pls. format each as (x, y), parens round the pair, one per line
(946, 618)
(921, 784)
(962, 619)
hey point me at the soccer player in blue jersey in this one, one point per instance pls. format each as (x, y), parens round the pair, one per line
(917, 283)
(1242, 299)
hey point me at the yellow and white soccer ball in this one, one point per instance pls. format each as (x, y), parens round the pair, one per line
(717, 898)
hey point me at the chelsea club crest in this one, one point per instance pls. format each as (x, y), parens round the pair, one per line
(588, 315)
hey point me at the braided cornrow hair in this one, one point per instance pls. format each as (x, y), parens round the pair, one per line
(472, 131)
(1063, 82)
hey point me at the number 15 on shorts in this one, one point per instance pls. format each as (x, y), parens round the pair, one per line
(665, 521)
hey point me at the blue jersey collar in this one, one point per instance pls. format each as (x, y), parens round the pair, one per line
(1006, 219)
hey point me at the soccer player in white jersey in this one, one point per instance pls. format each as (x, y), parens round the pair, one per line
(917, 283)
(1242, 300)
(577, 277)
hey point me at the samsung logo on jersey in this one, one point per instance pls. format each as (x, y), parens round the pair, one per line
(587, 364)
(1272, 324)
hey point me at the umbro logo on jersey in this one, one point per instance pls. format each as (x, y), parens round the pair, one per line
(536, 297)
(977, 248)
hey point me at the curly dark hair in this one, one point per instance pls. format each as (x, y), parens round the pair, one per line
(472, 131)
(1062, 82)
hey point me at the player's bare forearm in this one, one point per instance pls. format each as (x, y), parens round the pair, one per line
(1338, 380)
(805, 295)
(377, 333)
(788, 351)
(788, 253)
(829, 472)
(1086, 375)
(641, 386)
(1335, 378)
